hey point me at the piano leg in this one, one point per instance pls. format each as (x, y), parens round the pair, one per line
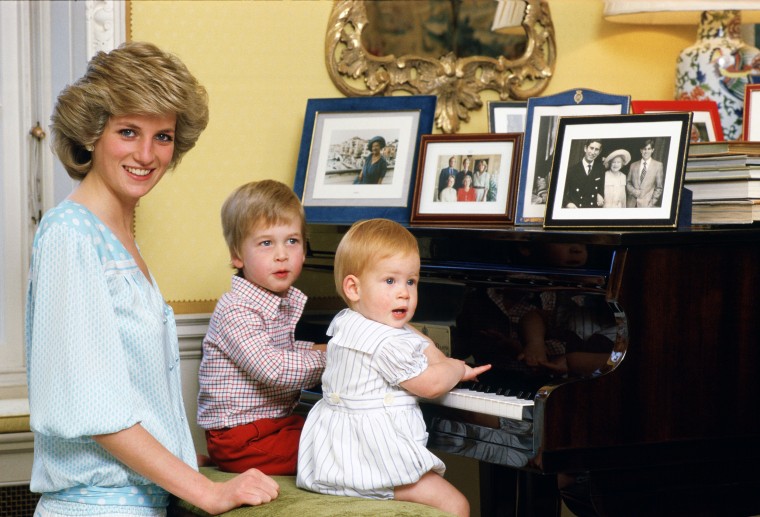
(508, 492)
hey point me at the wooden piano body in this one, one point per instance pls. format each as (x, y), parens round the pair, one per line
(671, 426)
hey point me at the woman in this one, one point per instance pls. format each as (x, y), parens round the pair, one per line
(481, 180)
(615, 178)
(466, 193)
(375, 166)
(449, 193)
(111, 435)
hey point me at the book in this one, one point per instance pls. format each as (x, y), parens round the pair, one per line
(736, 173)
(724, 189)
(740, 211)
(724, 147)
(723, 161)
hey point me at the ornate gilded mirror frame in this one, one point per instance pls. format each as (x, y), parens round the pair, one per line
(457, 82)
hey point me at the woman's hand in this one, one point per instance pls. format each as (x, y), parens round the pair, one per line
(252, 487)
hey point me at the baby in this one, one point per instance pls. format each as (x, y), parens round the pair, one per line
(367, 437)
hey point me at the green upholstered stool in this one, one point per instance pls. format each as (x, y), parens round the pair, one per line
(294, 502)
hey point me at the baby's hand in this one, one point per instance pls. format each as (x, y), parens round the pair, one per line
(471, 372)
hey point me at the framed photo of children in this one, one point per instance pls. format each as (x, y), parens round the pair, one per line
(358, 157)
(618, 171)
(751, 129)
(467, 179)
(705, 124)
(540, 138)
(507, 117)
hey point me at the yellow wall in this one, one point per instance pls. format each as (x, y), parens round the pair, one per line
(261, 61)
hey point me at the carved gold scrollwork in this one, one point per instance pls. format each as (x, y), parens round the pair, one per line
(457, 82)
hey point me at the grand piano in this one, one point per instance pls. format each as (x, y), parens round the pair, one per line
(664, 416)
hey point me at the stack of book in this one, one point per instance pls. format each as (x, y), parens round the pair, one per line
(724, 178)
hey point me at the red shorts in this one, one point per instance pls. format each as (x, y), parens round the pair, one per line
(268, 444)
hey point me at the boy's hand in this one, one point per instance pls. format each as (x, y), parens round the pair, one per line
(320, 348)
(471, 372)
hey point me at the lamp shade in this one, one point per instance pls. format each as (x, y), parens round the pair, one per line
(676, 12)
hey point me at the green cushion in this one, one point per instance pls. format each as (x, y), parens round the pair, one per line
(293, 502)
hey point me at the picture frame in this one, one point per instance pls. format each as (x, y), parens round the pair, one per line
(705, 124)
(751, 126)
(507, 117)
(620, 140)
(334, 149)
(441, 197)
(543, 114)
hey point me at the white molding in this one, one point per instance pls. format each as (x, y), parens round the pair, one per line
(16, 457)
(105, 22)
(15, 109)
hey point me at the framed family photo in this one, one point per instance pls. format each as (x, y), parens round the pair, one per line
(542, 121)
(467, 179)
(751, 129)
(507, 117)
(358, 156)
(705, 124)
(618, 171)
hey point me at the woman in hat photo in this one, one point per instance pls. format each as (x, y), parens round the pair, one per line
(615, 178)
(375, 165)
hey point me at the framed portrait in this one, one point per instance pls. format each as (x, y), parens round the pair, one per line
(705, 124)
(358, 156)
(621, 171)
(507, 117)
(543, 116)
(751, 129)
(467, 179)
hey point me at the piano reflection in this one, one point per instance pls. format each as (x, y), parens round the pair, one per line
(624, 377)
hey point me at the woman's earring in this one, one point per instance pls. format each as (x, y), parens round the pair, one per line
(89, 148)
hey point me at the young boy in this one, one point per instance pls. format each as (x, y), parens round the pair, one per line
(367, 437)
(253, 369)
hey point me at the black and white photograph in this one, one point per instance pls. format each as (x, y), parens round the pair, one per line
(467, 178)
(618, 171)
(358, 157)
(543, 114)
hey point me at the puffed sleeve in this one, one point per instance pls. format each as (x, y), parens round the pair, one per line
(400, 359)
(78, 379)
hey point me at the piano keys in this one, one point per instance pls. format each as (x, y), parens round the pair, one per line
(494, 404)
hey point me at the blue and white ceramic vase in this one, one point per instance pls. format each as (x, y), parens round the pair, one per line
(717, 67)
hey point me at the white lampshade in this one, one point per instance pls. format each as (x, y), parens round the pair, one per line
(676, 12)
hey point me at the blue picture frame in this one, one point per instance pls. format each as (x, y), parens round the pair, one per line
(333, 148)
(540, 139)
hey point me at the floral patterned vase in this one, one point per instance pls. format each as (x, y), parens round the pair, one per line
(717, 67)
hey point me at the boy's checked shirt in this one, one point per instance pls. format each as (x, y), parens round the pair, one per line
(252, 366)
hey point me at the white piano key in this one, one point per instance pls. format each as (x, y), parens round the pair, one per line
(486, 403)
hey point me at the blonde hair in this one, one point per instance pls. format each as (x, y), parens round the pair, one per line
(135, 79)
(259, 204)
(367, 242)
